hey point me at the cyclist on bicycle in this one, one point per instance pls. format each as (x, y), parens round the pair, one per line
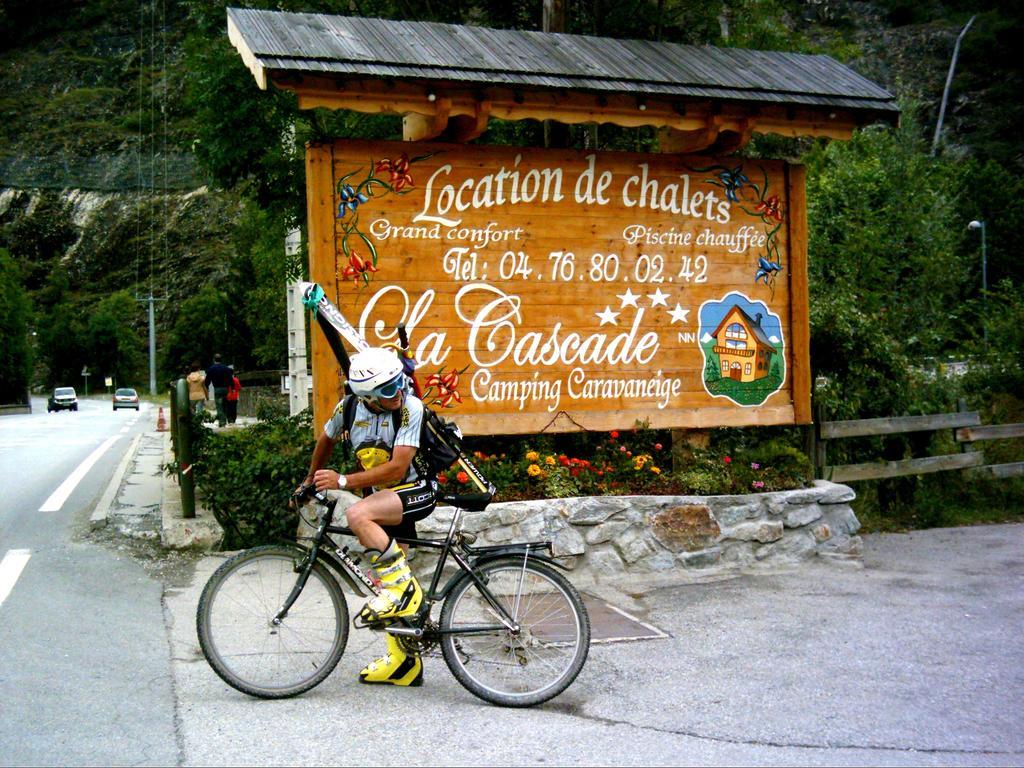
(398, 499)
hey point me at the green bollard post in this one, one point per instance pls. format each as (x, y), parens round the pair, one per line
(185, 478)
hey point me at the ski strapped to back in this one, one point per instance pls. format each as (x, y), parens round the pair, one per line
(332, 323)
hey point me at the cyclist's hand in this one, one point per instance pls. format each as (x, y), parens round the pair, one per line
(326, 480)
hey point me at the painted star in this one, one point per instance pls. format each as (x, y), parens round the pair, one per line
(607, 316)
(658, 298)
(679, 314)
(628, 299)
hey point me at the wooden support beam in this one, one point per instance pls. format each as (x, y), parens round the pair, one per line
(697, 123)
(799, 291)
(418, 127)
(728, 141)
(688, 142)
(463, 128)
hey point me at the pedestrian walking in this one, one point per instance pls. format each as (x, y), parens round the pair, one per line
(231, 401)
(196, 380)
(219, 376)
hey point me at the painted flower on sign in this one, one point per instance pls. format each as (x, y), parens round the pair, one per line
(443, 388)
(349, 200)
(770, 208)
(357, 269)
(733, 180)
(351, 194)
(398, 170)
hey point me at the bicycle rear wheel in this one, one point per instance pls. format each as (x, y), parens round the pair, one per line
(516, 670)
(242, 644)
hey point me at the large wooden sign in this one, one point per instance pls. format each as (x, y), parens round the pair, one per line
(560, 290)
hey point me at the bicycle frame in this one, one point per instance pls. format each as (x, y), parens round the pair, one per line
(453, 545)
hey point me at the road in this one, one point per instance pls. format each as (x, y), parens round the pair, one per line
(84, 671)
(914, 659)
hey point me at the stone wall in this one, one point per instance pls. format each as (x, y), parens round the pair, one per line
(612, 536)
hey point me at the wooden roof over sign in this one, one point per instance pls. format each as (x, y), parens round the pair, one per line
(449, 79)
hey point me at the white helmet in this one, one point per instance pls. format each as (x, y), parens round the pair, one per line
(376, 373)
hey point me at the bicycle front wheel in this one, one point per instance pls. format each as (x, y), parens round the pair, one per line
(243, 645)
(515, 669)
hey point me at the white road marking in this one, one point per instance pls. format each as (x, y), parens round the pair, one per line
(10, 569)
(58, 497)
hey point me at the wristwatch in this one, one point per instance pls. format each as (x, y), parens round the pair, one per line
(342, 480)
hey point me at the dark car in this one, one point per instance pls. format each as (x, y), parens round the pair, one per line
(126, 398)
(62, 399)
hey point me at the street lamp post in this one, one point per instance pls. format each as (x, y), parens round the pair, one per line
(984, 277)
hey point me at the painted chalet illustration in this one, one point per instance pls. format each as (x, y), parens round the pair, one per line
(743, 349)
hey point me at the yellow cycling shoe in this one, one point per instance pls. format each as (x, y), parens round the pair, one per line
(396, 667)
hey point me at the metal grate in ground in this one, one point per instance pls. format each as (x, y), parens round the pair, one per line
(609, 624)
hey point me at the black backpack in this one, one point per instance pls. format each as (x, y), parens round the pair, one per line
(440, 439)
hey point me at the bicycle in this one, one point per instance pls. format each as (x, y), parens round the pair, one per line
(512, 629)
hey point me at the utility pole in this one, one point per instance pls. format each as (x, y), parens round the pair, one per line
(553, 20)
(152, 340)
(976, 224)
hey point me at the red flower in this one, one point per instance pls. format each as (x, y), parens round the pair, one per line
(358, 269)
(575, 471)
(615, 434)
(462, 477)
(399, 171)
(657, 446)
(727, 459)
(442, 478)
(563, 460)
(770, 208)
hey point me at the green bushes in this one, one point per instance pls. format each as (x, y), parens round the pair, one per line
(247, 475)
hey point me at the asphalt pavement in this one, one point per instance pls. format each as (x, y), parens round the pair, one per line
(912, 659)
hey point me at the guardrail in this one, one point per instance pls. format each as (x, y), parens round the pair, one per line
(967, 427)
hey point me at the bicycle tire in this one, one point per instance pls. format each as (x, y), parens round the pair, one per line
(552, 645)
(252, 655)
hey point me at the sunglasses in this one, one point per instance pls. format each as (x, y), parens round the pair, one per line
(389, 390)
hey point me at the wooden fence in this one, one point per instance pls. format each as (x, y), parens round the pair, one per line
(967, 430)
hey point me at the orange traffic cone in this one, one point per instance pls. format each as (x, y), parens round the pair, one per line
(161, 422)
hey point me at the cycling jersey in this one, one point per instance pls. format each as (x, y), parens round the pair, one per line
(372, 435)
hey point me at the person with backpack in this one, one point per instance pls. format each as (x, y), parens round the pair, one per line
(383, 427)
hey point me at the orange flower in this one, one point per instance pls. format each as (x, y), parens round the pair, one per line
(462, 477)
(442, 478)
(358, 268)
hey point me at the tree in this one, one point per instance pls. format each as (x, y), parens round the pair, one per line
(15, 315)
(202, 329)
(114, 344)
